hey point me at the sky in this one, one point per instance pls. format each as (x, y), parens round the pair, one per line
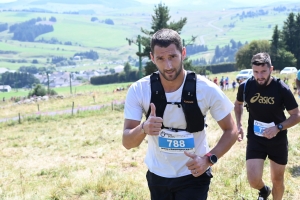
(195, 2)
(6, 1)
(252, 2)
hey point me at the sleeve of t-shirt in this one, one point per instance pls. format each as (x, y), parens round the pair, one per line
(289, 100)
(240, 93)
(133, 108)
(219, 104)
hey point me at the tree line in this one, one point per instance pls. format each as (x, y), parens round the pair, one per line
(284, 47)
(29, 30)
(54, 40)
(62, 61)
(128, 75)
(283, 8)
(36, 70)
(287, 40)
(18, 79)
(3, 27)
(199, 62)
(193, 49)
(88, 54)
(251, 14)
(8, 52)
(226, 53)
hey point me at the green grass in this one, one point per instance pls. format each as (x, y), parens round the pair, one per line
(86, 88)
(27, 49)
(82, 157)
(88, 33)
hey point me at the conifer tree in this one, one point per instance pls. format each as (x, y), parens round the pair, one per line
(160, 20)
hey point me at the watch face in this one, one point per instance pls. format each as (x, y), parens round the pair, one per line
(213, 158)
(280, 127)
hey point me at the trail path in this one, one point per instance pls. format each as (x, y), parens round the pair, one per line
(210, 23)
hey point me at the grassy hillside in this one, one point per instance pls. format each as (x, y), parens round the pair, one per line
(210, 27)
(82, 157)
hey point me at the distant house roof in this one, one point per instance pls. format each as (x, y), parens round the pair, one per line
(76, 58)
(5, 88)
(3, 70)
(119, 68)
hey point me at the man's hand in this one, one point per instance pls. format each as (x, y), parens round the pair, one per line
(153, 124)
(241, 133)
(270, 132)
(197, 165)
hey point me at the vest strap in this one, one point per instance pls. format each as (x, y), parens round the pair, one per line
(194, 118)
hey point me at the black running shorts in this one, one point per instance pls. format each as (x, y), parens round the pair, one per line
(261, 148)
(181, 188)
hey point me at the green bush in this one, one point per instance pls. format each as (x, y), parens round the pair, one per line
(40, 90)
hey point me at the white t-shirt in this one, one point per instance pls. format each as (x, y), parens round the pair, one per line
(209, 96)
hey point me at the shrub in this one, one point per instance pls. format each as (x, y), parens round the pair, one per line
(40, 90)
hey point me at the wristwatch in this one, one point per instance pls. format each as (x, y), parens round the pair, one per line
(213, 159)
(280, 127)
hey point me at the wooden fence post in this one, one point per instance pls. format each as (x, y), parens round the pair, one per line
(73, 108)
(19, 118)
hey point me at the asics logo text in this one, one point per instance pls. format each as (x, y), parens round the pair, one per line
(261, 99)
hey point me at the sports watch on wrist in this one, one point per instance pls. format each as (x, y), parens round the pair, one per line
(280, 127)
(213, 159)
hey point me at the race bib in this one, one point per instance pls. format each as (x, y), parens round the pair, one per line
(259, 127)
(175, 142)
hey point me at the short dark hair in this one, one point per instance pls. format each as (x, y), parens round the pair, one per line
(165, 37)
(261, 59)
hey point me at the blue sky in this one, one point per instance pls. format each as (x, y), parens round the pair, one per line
(252, 2)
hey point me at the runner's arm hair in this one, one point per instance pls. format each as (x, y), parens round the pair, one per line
(228, 138)
(293, 119)
(132, 134)
(238, 111)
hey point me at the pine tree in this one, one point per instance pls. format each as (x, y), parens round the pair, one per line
(291, 35)
(275, 41)
(127, 69)
(288, 33)
(160, 20)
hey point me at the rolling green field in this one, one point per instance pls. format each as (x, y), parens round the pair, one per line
(81, 156)
(82, 89)
(109, 40)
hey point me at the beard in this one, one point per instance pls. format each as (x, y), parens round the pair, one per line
(177, 69)
(265, 83)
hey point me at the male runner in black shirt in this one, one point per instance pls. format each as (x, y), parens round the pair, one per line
(266, 98)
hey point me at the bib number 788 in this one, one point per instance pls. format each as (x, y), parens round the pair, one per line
(176, 143)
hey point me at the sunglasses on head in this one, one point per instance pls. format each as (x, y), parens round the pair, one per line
(258, 63)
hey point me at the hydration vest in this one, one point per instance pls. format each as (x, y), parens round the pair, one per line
(193, 115)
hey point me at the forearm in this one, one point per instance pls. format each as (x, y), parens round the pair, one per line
(291, 121)
(227, 140)
(133, 137)
(238, 111)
